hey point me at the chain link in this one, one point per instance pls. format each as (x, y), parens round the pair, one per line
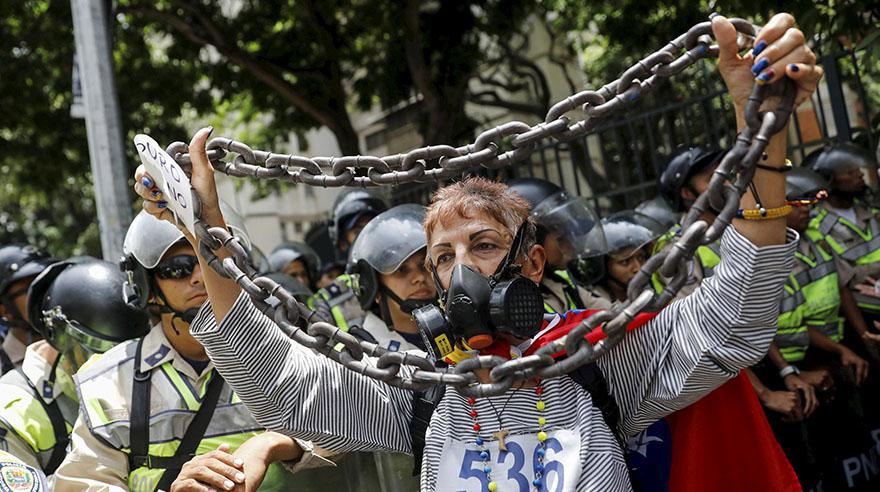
(598, 106)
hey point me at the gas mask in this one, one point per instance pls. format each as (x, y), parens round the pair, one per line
(476, 308)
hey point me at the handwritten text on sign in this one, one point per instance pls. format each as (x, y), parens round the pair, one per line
(169, 178)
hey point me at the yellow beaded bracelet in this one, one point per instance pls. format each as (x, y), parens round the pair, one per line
(764, 213)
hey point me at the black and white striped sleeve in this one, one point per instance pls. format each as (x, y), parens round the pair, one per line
(291, 390)
(699, 342)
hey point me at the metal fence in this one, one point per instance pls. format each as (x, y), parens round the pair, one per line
(616, 166)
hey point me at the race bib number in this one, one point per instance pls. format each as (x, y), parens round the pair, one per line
(461, 468)
(169, 178)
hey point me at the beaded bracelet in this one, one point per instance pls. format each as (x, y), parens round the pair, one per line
(764, 213)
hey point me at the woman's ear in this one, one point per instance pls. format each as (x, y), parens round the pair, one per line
(533, 267)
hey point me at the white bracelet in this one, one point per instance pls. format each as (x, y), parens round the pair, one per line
(788, 370)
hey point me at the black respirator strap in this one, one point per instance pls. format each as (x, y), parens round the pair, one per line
(165, 308)
(515, 248)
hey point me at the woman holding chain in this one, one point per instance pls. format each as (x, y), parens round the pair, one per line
(540, 435)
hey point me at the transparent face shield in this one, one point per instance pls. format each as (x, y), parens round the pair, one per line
(573, 225)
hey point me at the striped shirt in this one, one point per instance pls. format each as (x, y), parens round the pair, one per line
(692, 347)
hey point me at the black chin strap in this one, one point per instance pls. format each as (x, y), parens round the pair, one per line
(406, 305)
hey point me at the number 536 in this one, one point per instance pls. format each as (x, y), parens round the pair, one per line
(471, 467)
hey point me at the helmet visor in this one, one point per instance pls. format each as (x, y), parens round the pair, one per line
(574, 225)
(627, 232)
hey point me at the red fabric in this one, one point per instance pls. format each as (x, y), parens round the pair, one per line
(573, 318)
(723, 442)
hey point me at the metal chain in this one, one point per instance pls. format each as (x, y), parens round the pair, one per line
(598, 107)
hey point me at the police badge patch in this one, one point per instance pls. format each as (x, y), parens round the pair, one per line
(17, 477)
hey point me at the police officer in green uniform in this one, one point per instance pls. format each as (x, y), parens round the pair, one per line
(19, 264)
(387, 262)
(630, 239)
(809, 319)
(337, 303)
(18, 476)
(149, 405)
(297, 260)
(851, 230)
(76, 307)
(686, 176)
(570, 233)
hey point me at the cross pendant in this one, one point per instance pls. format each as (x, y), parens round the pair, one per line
(500, 435)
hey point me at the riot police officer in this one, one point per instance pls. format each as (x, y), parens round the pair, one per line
(850, 227)
(629, 242)
(337, 303)
(686, 176)
(388, 262)
(297, 260)
(351, 211)
(76, 307)
(570, 233)
(19, 264)
(149, 404)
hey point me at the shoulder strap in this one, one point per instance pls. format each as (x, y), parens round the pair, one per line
(139, 421)
(195, 432)
(139, 427)
(591, 379)
(59, 425)
(424, 404)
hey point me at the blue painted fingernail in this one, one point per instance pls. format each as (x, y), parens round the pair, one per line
(162, 204)
(759, 48)
(760, 65)
(794, 68)
(156, 194)
(147, 182)
(765, 77)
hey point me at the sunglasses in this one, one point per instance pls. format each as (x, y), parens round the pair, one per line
(176, 267)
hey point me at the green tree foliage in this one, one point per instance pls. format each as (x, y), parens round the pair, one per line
(46, 195)
(276, 68)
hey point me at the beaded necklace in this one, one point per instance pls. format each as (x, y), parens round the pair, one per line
(502, 434)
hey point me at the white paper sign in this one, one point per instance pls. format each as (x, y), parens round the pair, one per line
(169, 178)
(461, 467)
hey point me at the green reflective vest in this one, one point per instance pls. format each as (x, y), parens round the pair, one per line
(709, 256)
(811, 298)
(338, 303)
(44, 427)
(174, 401)
(864, 252)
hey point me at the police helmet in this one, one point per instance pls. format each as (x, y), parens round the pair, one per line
(659, 210)
(300, 291)
(802, 183)
(18, 262)
(78, 303)
(285, 254)
(387, 241)
(350, 206)
(623, 231)
(837, 158)
(683, 164)
(571, 218)
(147, 241)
